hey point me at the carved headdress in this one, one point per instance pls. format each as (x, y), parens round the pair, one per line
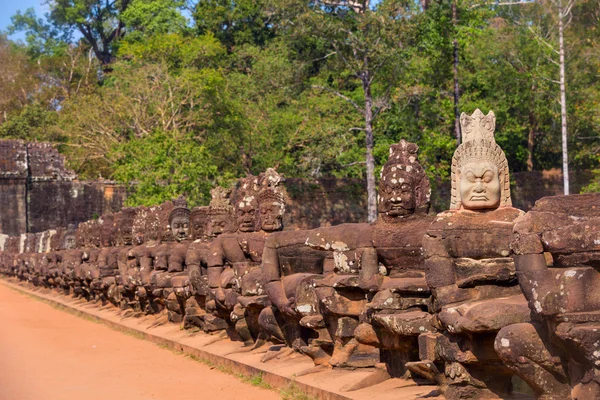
(269, 190)
(198, 221)
(219, 203)
(479, 144)
(246, 192)
(403, 165)
(180, 209)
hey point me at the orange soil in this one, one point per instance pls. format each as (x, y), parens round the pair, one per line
(47, 354)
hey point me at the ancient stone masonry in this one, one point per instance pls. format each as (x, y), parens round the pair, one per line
(471, 300)
(556, 248)
(38, 193)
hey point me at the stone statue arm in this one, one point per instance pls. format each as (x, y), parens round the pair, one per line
(272, 275)
(193, 262)
(440, 274)
(215, 266)
(146, 266)
(370, 278)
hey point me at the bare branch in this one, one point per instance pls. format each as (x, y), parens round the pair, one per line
(538, 37)
(348, 99)
(504, 3)
(353, 163)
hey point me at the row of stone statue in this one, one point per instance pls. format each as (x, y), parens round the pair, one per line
(467, 299)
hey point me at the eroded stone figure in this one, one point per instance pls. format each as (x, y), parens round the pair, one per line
(471, 272)
(336, 281)
(556, 249)
(70, 263)
(169, 255)
(207, 224)
(234, 258)
(180, 223)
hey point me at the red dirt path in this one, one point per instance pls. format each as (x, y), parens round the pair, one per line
(46, 354)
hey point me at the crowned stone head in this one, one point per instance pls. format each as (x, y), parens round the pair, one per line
(179, 219)
(220, 212)
(246, 203)
(480, 177)
(271, 202)
(199, 218)
(404, 188)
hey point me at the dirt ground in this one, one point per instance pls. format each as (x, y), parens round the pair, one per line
(47, 354)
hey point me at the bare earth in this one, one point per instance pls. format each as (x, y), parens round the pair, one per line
(47, 354)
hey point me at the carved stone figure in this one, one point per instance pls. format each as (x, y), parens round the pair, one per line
(107, 258)
(327, 279)
(470, 271)
(169, 255)
(71, 259)
(207, 223)
(180, 223)
(232, 256)
(556, 249)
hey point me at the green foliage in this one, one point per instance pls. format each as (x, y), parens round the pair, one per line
(163, 165)
(235, 23)
(33, 123)
(136, 91)
(146, 18)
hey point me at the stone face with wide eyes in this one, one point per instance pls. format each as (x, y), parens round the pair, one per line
(479, 186)
(246, 215)
(216, 224)
(270, 216)
(180, 228)
(70, 242)
(397, 199)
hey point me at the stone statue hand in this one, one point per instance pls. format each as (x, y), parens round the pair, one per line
(288, 307)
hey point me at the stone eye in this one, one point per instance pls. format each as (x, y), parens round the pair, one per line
(487, 177)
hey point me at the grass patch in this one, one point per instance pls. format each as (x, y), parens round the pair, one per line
(293, 392)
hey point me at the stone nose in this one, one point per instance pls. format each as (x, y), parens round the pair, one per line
(479, 187)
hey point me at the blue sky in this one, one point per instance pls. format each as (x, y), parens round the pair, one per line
(8, 8)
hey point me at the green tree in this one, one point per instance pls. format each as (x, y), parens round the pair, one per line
(366, 47)
(163, 165)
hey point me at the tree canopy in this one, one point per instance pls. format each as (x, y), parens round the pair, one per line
(177, 96)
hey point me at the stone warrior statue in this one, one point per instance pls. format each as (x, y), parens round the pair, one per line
(170, 255)
(556, 249)
(233, 256)
(470, 271)
(207, 223)
(324, 279)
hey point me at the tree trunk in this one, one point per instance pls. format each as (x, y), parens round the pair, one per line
(371, 187)
(563, 99)
(457, 132)
(532, 130)
(531, 141)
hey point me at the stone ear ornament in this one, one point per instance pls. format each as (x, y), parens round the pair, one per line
(479, 146)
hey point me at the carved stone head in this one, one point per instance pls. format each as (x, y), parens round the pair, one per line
(107, 230)
(480, 178)
(70, 238)
(199, 222)
(404, 188)
(220, 212)
(124, 224)
(138, 229)
(246, 203)
(179, 219)
(271, 202)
